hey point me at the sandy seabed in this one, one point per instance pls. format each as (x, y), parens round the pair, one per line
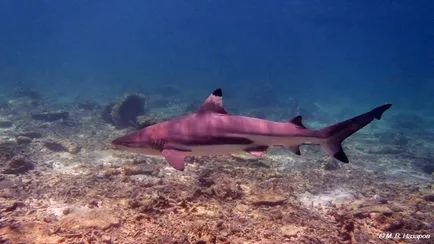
(60, 182)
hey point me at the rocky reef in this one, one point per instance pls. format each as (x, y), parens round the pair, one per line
(124, 113)
(61, 182)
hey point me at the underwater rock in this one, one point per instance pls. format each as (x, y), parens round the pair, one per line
(331, 165)
(367, 211)
(267, 199)
(95, 218)
(5, 124)
(229, 191)
(145, 121)
(13, 206)
(18, 165)
(429, 197)
(125, 112)
(205, 179)
(50, 218)
(23, 140)
(30, 134)
(61, 145)
(50, 116)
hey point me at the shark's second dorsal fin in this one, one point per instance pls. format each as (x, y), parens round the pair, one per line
(298, 121)
(214, 103)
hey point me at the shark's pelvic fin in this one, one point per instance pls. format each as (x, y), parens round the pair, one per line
(257, 154)
(257, 151)
(175, 158)
(335, 134)
(214, 103)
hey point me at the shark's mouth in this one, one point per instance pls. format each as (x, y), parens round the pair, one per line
(121, 143)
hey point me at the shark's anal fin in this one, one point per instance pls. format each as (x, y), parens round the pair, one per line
(214, 103)
(175, 158)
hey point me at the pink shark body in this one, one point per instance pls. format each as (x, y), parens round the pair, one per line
(212, 131)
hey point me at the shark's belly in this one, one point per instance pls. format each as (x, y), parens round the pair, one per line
(272, 140)
(204, 150)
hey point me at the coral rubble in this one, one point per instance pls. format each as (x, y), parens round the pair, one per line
(64, 184)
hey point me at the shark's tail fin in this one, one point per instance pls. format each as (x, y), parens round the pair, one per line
(335, 134)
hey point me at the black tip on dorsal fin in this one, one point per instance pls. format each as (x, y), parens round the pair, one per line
(213, 103)
(298, 121)
(218, 92)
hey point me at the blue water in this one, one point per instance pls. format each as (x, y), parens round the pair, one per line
(327, 60)
(358, 52)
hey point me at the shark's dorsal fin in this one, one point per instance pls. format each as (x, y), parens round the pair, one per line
(214, 103)
(298, 121)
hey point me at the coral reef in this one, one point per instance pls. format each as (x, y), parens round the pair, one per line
(62, 183)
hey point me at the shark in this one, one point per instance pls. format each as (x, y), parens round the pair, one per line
(211, 130)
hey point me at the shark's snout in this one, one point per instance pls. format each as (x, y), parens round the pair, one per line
(118, 142)
(129, 141)
(125, 141)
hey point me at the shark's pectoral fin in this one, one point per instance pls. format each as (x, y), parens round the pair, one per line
(175, 158)
(294, 149)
